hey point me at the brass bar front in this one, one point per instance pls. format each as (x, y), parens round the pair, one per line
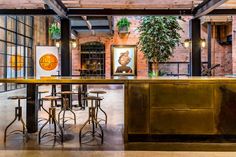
(178, 110)
(167, 107)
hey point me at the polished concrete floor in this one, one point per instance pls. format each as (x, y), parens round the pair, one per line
(113, 104)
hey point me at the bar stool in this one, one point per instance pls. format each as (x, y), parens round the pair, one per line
(98, 107)
(66, 107)
(81, 95)
(18, 116)
(51, 120)
(91, 119)
(40, 98)
(54, 93)
(40, 101)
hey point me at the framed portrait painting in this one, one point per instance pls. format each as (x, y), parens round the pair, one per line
(123, 60)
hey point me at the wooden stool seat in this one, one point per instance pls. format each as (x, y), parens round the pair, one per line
(98, 92)
(17, 97)
(44, 91)
(67, 92)
(49, 98)
(92, 98)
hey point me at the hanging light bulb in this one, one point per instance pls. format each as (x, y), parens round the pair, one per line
(74, 44)
(57, 44)
(203, 43)
(187, 43)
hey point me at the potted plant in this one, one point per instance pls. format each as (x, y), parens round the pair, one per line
(54, 31)
(123, 24)
(159, 35)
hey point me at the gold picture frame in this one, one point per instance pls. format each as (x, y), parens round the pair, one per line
(123, 60)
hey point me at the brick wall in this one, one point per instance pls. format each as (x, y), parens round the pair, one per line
(234, 45)
(220, 54)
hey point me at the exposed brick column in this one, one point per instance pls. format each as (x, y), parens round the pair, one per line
(234, 44)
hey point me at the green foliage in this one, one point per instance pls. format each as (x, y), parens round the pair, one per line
(55, 31)
(160, 73)
(123, 23)
(159, 35)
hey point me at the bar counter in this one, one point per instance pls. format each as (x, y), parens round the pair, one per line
(163, 107)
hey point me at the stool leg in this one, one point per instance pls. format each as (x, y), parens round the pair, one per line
(56, 124)
(59, 116)
(99, 106)
(73, 114)
(39, 136)
(63, 118)
(5, 132)
(101, 132)
(39, 102)
(80, 132)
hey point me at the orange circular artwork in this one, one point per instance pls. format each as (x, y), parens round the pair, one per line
(48, 62)
(20, 61)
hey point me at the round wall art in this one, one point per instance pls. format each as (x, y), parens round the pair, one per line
(48, 62)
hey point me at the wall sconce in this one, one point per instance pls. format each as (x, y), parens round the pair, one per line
(73, 43)
(188, 42)
(203, 43)
(57, 44)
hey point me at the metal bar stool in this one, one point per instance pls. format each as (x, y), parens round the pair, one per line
(81, 95)
(54, 93)
(51, 120)
(98, 107)
(18, 116)
(40, 98)
(66, 107)
(92, 120)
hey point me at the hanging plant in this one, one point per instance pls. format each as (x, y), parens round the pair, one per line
(123, 24)
(55, 31)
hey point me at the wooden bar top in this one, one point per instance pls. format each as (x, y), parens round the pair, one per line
(116, 80)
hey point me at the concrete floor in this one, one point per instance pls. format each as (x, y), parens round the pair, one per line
(113, 104)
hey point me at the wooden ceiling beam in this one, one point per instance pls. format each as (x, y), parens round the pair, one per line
(32, 12)
(110, 22)
(131, 4)
(58, 7)
(206, 7)
(117, 12)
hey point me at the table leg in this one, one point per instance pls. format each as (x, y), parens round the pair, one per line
(32, 108)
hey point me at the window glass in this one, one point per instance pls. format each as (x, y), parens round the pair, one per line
(11, 23)
(2, 34)
(10, 37)
(2, 47)
(28, 31)
(20, 40)
(2, 60)
(15, 49)
(2, 21)
(20, 28)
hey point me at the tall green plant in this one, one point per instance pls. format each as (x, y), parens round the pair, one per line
(159, 35)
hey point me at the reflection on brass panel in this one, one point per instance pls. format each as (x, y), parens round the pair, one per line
(182, 122)
(138, 108)
(166, 96)
(181, 96)
(227, 112)
(199, 96)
